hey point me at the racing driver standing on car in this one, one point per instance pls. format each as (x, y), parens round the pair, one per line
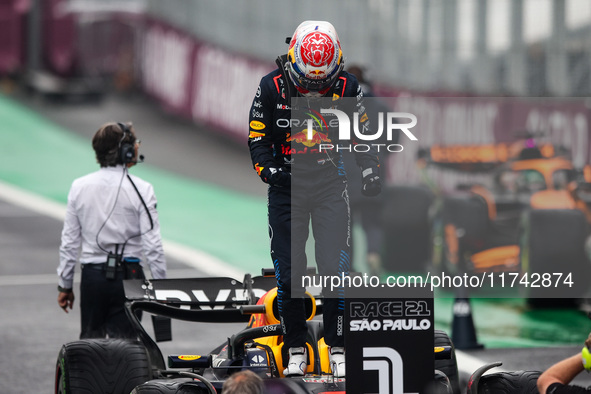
(312, 69)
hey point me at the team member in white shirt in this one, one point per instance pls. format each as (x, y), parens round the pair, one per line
(109, 213)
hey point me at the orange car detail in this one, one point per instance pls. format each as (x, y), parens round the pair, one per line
(488, 198)
(552, 199)
(453, 244)
(503, 258)
(470, 154)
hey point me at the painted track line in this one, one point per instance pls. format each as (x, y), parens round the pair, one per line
(198, 259)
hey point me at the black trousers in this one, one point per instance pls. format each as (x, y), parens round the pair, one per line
(102, 306)
(322, 201)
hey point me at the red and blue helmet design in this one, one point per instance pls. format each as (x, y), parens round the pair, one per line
(315, 58)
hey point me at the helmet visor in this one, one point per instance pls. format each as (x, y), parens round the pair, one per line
(314, 85)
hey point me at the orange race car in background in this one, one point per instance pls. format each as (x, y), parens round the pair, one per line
(527, 214)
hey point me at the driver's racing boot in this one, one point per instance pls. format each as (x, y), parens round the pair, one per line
(298, 361)
(336, 355)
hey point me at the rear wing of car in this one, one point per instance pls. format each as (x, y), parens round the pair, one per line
(469, 158)
(217, 293)
(485, 157)
(205, 300)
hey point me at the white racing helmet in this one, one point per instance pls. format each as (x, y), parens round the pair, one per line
(315, 59)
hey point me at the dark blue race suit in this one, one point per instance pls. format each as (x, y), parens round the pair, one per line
(305, 184)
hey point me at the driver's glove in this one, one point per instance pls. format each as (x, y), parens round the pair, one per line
(276, 176)
(371, 182)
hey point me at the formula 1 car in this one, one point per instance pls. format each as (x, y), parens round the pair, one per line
(526, 212)
(138, 366)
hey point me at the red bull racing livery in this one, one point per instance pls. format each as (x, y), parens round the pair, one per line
(277, 140)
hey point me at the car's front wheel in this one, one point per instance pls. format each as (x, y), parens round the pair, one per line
(448, 367)
(163, 386)
(509, 382)
(101, 366)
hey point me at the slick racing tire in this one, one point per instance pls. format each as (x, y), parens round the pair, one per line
(519, 382)
(101, 366)
(163, 386)
(405, 215)
(448, 367)
(553, 242)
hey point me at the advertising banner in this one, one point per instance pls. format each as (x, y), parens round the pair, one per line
(200, 82)
(389, 340)
(12, 39)
(59, 37)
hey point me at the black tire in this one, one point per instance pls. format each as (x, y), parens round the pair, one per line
(405, 215)
(101, 366)
(470, 218)
(448, 367)
(554, 242)
(162, 386)
(519, 382)
(440, 385)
